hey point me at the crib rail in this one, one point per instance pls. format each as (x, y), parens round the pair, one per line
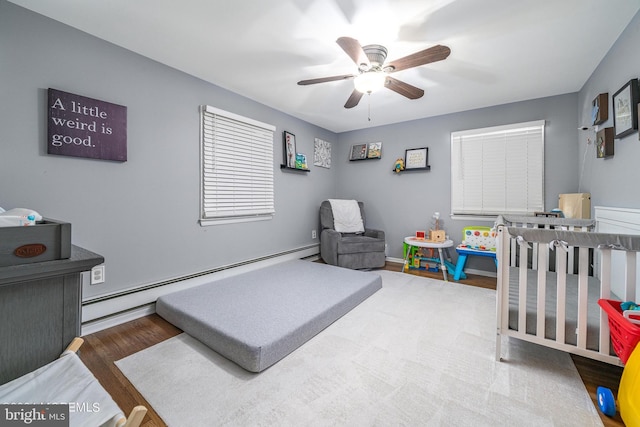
(548, 223)
(516, 246)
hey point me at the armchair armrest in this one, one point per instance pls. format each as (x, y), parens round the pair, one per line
(376, 234)
(329, 245)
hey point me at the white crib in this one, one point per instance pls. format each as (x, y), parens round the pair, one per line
(547, 290)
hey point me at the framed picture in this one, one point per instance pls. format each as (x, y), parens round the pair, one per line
(358, 152)
(375, 150)
(604, 143)
(625, 109)
(416, 158)
(600, 109)
(289, 152)
(301, 161)
(322, 153)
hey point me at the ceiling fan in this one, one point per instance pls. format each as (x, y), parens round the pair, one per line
(374, 73)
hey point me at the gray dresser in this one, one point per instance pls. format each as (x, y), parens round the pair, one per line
(40, 310)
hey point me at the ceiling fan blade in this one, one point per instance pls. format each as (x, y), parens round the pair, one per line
(432, 54)
(353, 48)
(325, 79)
(353, 99)
(404, 89)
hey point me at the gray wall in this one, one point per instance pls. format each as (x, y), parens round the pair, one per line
(140, 215)
(405, 202)
(611, 181)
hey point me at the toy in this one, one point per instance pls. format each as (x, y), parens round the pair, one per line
(399, 165)
(437, 235)
(627, 393)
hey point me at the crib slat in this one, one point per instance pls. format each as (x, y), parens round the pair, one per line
(561, 294)
(630, 277)
(605, 292)
(543, 261)
(583, 287)
(522, 289)
(571, 256)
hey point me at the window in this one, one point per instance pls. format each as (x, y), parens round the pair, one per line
(498, 170)
(236, 167)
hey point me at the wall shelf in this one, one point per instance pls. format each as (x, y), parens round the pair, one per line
(426, 168)
(287, 168)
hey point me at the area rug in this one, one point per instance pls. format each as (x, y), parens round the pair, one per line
(418, 352)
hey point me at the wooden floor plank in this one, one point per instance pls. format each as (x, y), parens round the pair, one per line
(103, 348)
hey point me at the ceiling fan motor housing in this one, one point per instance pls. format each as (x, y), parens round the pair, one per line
(376, 54)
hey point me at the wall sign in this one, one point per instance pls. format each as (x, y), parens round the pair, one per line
(85, 127)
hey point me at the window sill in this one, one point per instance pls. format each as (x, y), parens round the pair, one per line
(205, 222)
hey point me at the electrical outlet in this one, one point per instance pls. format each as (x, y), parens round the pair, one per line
(314, 234)
(97, 274)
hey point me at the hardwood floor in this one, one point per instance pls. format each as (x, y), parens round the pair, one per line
(103, 348)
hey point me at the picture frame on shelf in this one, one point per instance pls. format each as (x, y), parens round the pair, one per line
(625, 109)
(374, 150)
(289, 149)
(301, 161)
(358, 152)
(416, 158)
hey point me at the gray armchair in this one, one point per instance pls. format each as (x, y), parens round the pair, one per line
(350, 250)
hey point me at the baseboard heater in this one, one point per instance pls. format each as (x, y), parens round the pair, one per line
(109, 310)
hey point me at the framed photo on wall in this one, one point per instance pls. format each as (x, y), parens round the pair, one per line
(604, 143)
(289, 151)
(625, 109)
(416, 158)
(358, 152)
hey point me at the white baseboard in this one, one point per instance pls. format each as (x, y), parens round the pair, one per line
(102, 313)
(117, 319)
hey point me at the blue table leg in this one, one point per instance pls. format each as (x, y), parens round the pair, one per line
(462, 259)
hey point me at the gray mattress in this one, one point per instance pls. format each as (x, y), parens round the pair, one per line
(593, 309)
(257, 318)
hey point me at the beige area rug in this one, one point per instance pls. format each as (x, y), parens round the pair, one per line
(419, 352)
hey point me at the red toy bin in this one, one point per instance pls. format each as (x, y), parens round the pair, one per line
(624, 334)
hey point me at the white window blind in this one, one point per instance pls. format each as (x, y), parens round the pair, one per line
(498, 170)
(236, 168)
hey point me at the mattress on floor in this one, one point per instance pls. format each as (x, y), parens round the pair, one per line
(257, 318)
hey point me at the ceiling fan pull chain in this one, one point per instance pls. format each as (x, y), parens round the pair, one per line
(369, 106)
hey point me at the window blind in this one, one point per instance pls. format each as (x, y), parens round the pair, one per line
(236, 167)
(498, 170)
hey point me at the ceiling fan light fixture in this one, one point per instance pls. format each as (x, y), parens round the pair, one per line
(370, 81)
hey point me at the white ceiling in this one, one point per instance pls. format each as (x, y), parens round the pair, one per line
(501, 50)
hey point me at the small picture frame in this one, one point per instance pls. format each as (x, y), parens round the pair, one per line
(375, 150)
(600, 109)
(301, 161)
(289, 152)
(358, 152)
(416, 158)
(625, 109)
(604, 143)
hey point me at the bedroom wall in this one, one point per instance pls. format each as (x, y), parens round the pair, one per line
(611, 181)
(405, 202)
(140, 215)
